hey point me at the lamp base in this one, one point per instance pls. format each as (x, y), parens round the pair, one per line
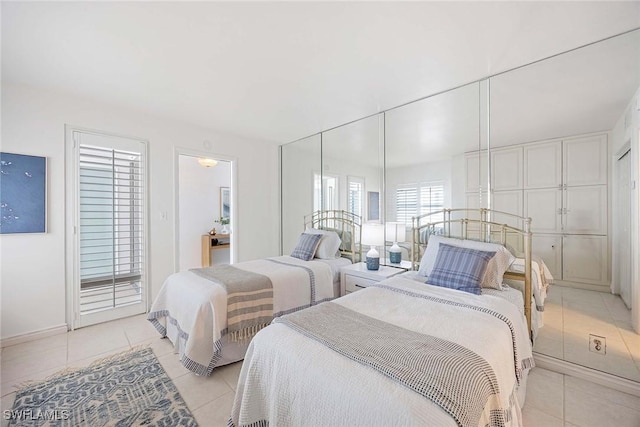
(395, 254)
(395, 257)
(373, 263)
(373, 259)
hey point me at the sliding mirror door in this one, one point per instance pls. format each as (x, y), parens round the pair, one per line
(434, 156)
(558, 128)
(300, 167)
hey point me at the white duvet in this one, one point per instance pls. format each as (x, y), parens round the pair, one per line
(290, 380)
(197, 307)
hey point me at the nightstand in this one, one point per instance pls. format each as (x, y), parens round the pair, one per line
(354, 277)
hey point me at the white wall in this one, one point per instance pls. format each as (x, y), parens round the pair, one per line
(33, 266)
(199, 205)
(626, 130)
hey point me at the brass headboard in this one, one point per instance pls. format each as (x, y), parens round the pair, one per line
(475, 224)
(346, 224)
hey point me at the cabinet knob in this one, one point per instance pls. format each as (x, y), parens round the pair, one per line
(553, 246)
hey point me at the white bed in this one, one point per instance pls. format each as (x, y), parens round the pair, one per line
(192, 308)
(372, 368)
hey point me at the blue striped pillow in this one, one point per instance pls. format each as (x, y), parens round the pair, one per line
(459, 268)
(307, 246)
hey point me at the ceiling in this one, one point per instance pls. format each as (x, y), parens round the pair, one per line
(279, 71)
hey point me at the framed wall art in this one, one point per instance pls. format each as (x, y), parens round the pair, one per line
(23, 193)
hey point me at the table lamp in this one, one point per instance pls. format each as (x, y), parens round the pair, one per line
(396, 232)
(373, 235)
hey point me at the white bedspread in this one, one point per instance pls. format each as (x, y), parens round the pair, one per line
(288, 379)
(197, 307)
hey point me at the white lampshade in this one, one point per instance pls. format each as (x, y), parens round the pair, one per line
(396, 232)
(373, 234)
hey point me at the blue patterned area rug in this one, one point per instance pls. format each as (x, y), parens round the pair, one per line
(128, 389)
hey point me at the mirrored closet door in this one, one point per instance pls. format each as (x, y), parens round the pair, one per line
(556, 126)
(542, 141)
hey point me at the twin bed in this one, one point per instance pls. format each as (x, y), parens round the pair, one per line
(210, 314)
(456, 351)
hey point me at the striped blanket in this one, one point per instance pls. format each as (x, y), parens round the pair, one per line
(450, 375)
(397, 353)
(249, 299)
(191, 309)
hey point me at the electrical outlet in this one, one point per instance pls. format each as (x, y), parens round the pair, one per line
(597, 344)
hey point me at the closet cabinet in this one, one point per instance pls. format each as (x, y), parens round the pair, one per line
(565, 194)
(562, 184)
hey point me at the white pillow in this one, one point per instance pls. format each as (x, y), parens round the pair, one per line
(495, 268)
(329, 243)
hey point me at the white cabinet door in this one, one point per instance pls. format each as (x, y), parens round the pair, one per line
(549, 248)
(544, 207)
(475, 165)
(543, 165)
(586, 210)
(585, 160)
(476, 200)
(506, 169)
(584, 259)
(509, 202)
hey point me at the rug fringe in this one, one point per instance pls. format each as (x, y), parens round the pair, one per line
(22, 386)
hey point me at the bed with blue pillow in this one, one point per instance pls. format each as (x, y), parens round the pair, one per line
(436, 346)
(210, 314)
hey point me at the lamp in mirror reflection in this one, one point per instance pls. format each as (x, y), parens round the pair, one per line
(395, 232)
(373, 235)
(207, 163)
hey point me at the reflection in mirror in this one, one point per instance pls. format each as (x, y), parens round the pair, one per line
(300, 165)
(352, 165)
(558, 128)
(432, 156)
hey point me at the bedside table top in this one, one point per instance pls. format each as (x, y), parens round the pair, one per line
(360, 269)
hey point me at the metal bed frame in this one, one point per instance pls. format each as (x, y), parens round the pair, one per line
(483, 229)
(340, 221)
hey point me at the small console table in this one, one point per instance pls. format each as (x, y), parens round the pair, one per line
(207, 243)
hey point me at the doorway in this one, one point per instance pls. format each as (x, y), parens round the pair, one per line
(107, 226)
(204, 211)
(623, 229)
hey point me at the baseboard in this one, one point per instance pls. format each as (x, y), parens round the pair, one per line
(35, 335)
(612, 381)
(585, 286)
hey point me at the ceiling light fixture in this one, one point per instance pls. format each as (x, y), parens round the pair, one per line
(207, 163)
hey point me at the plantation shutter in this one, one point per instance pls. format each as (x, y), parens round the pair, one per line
(111, 227)
(355, 195)
(432, 200)
(419, 199)
(406, 204)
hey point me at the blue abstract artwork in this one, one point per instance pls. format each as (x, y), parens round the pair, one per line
(23, 184)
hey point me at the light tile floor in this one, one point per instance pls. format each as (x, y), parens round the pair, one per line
(572, 314)
(552, 399)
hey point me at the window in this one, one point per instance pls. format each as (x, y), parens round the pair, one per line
(111, 227)
(325, 192)
(419, 199)
(355, 195)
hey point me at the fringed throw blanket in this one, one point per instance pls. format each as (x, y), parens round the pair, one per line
(249, 299)
(450, 375)
(398, 353)
(191, 308)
